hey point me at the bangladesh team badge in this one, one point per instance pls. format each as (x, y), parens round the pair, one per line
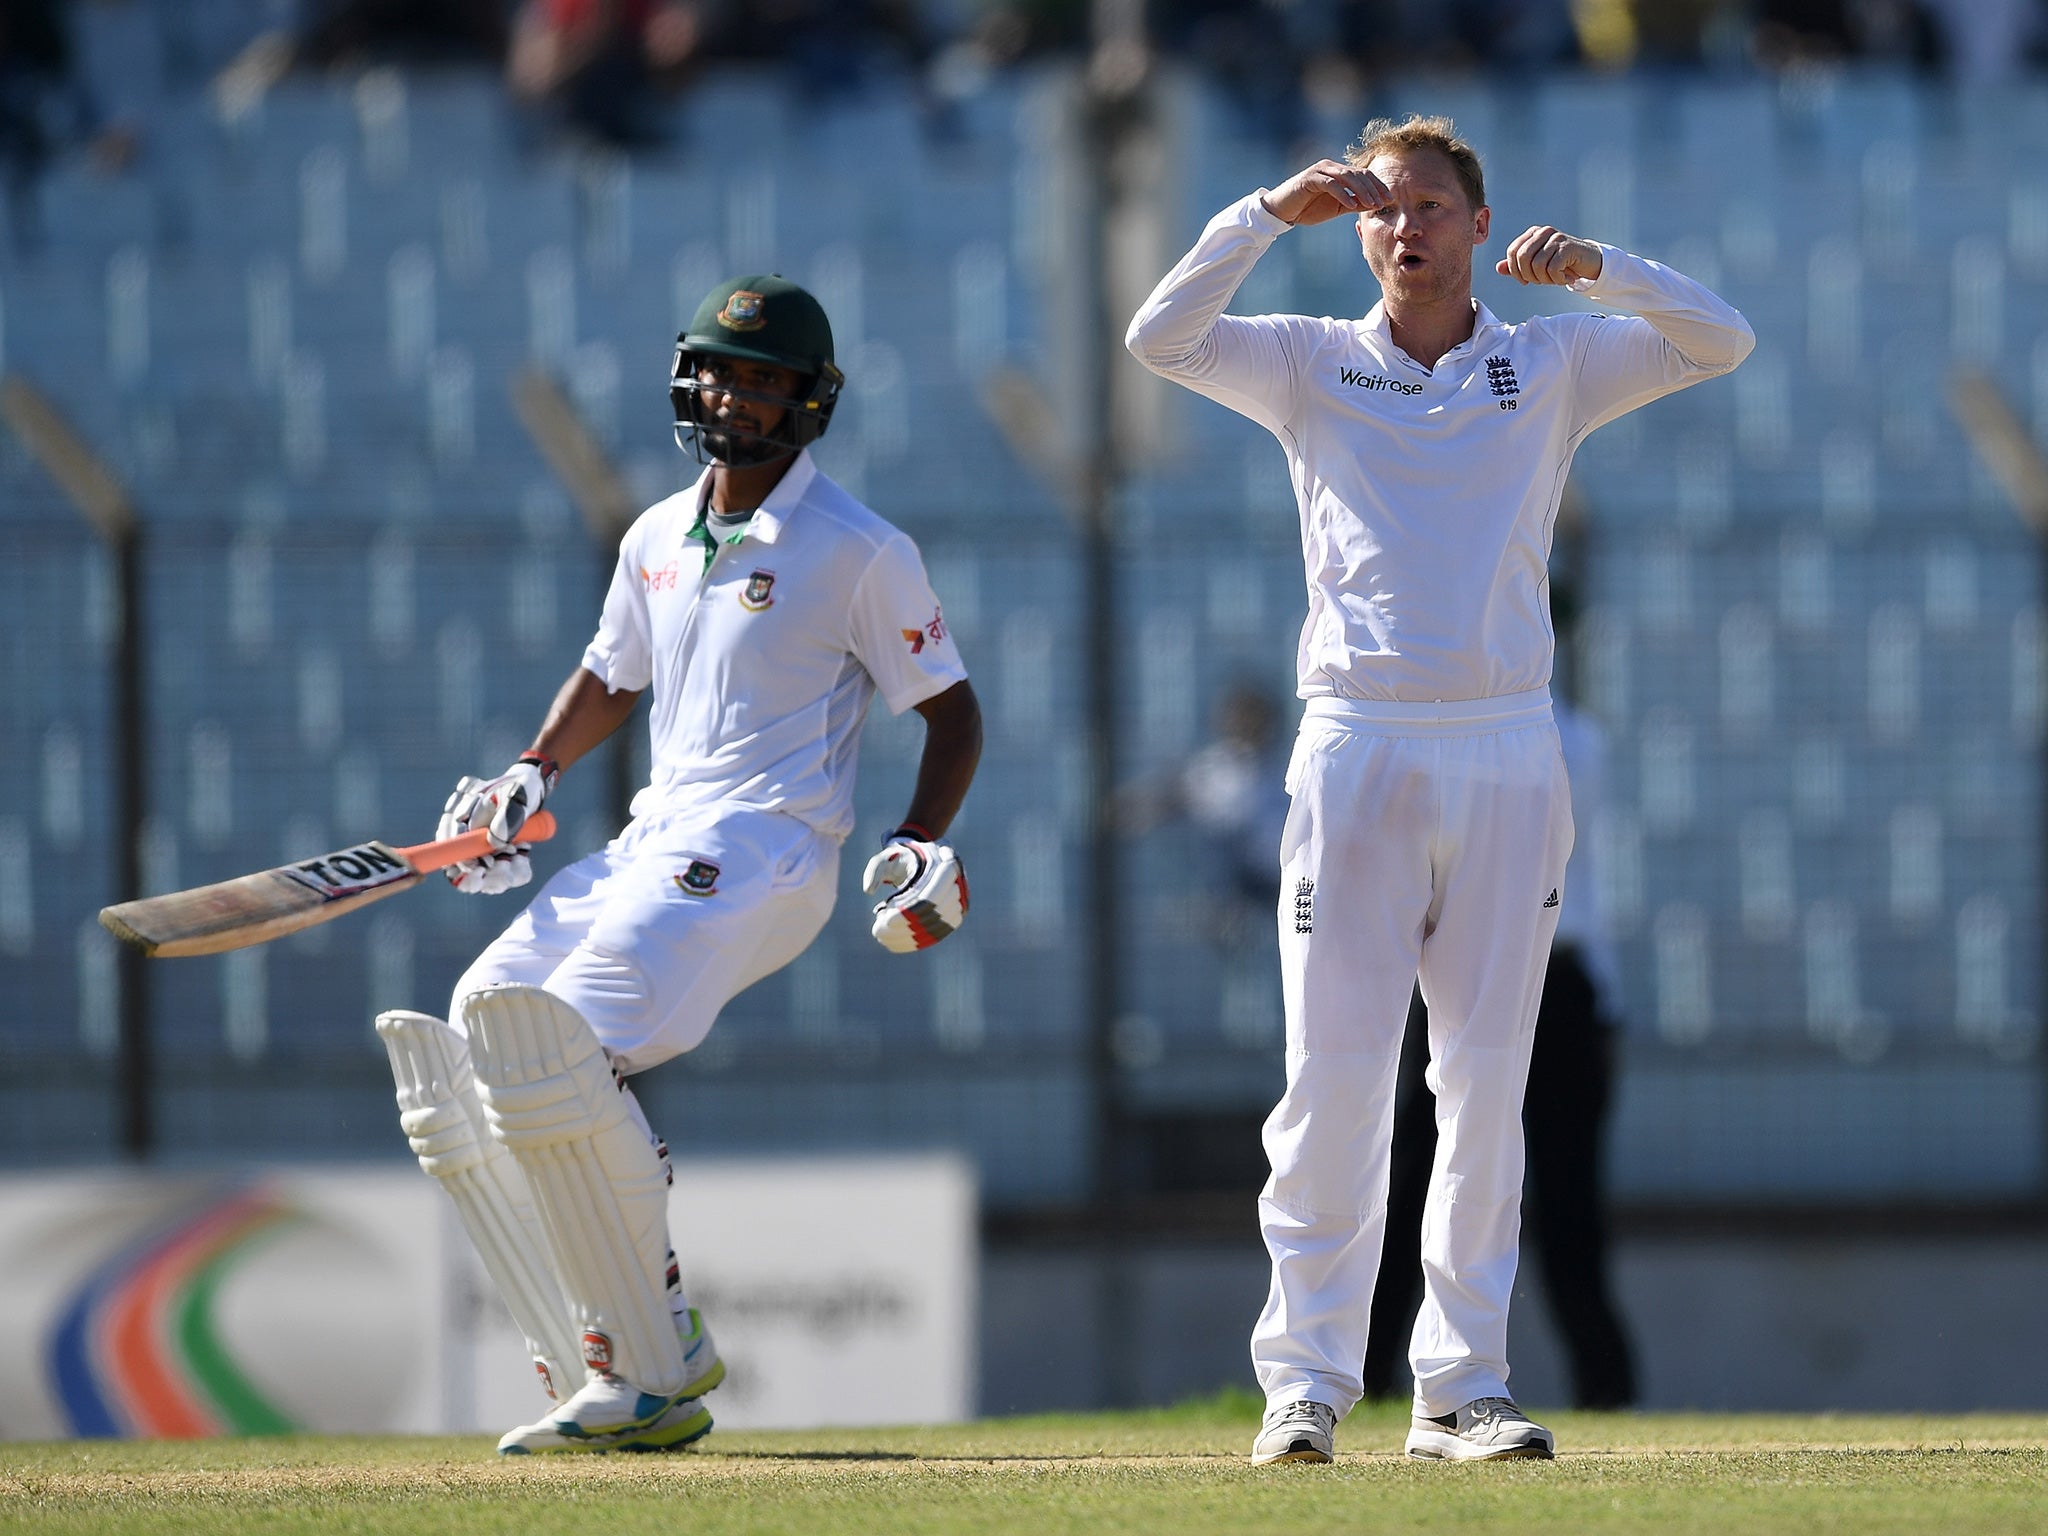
(743, 311)
(700, 879)
(755, 595)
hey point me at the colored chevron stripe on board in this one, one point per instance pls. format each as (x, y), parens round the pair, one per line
(136, 1352)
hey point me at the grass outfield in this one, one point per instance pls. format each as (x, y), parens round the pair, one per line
(1178, 1471)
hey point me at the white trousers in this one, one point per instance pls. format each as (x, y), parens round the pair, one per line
(1430, 840)
(649, 937)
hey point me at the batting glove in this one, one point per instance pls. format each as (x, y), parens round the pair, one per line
(501, 806)
(927, 892)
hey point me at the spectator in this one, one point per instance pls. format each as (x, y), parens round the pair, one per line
(352, 32)
(1255, 51)
(1232, 792)
(44, 105)
(602, 64)
(831, 45)
(1790, 33)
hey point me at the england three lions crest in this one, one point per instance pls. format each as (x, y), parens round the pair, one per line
(759, 591)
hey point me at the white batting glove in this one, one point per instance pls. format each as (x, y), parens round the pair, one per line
(500, 806)
(927, 893)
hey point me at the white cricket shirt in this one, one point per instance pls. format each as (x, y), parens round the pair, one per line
(764, 662)
(1427, 495)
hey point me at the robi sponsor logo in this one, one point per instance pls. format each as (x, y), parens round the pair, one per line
(934, 631)
(1359, 379)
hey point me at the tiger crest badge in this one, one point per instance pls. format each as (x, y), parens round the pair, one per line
(700, 879)
(743, 311)
(757, 593)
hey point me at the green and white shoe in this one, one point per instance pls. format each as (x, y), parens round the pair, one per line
(605, 1411)
(678, 1429)
(682, 1424)
(608, 1414)
(702, 1369)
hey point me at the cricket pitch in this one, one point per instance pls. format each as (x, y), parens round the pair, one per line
(1179, 1471)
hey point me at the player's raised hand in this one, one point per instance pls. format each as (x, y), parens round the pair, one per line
(1542, 254)
(1327, 190)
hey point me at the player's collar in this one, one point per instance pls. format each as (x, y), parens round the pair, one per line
(773, 513)
(776, 508)
(1375, 321)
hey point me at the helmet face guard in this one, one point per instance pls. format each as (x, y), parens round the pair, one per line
(802, 421)
(757, 319)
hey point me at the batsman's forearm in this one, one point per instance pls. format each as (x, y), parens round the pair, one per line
(952, 749)
(584, 713)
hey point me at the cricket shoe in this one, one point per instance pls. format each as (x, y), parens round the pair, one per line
(685, 1423)
(681, 1427)
(702, 1369)
(605, 1415)
(1297, 1431)
(1485, 1429)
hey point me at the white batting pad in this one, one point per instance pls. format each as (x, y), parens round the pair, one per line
(443, 1119)
(549, 1097)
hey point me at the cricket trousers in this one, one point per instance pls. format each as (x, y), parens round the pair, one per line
(649, 937)
(1430, 841)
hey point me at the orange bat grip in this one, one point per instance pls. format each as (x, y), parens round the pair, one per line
(539, 827)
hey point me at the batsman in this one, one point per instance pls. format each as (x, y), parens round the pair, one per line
(1427, 444)
(765, 608)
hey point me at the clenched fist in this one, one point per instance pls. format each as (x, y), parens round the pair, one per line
(1542, 254)
(926, 893)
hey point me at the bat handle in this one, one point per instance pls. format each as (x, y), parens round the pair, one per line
(539, 827)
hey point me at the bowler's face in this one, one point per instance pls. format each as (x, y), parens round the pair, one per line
(1420, 245)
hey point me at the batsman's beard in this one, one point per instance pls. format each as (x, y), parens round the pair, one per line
(739, 450)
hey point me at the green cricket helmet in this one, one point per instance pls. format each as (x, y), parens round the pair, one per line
(759, 319)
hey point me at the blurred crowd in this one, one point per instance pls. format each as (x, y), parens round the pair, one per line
(609, 69)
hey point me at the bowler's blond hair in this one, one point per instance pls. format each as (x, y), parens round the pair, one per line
(1383, 134)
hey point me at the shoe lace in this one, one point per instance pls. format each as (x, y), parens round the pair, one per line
(1305, 1411)
(1487, 1409)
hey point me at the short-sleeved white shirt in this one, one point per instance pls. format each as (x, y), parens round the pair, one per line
(764, 663)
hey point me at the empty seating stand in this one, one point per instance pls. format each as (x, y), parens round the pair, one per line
(1812, 631)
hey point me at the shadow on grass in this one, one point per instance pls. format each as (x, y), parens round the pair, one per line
(815, 1455)
(970, 1458)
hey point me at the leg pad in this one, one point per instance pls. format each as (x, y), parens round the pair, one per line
(551, 1100)
(443, 1119)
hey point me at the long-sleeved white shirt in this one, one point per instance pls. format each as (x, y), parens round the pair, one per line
(1427, 495)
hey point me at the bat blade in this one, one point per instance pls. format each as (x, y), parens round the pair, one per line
(252, 909)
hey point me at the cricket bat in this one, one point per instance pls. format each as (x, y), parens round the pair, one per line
(253, 909)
